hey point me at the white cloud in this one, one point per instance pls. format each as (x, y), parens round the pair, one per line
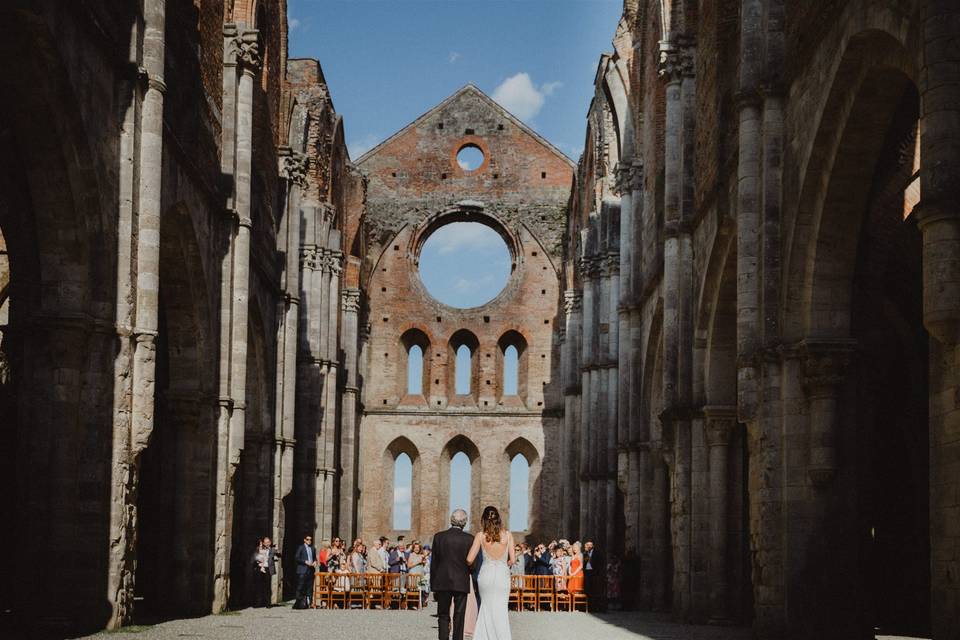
(453, 237)
(467, 285)
(293, 24)
(362, 145)
(454, 56)
(518, 95)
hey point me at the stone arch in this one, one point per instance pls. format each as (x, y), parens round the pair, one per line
(61, 338)
(398, 446)
(175, 527)
(716, 321)
(457, 444)
(515, 339)
(522, 446)
(854, 272)
(253, 494)
(463, 338)
(415, 337)
(871, 78)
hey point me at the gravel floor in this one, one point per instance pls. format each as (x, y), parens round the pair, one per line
(286, 624)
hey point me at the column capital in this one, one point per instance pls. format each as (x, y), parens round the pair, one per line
(243, 49)
(572, 299)
(350, 300)
(629, 176)
(676, 62)
(825, 362)
(720, 424)
(293, 167)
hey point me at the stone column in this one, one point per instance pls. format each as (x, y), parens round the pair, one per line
(825, 365)
(293, 169)
(939, 218)
(138, 278)
(348, 428)
(659, 529)
(241, 54)
(571, 416)
(720, 425)
(586, 406)
(612, 540)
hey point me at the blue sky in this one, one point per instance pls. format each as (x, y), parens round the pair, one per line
(389, 61)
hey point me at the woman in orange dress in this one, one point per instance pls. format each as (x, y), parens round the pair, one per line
(575, 581)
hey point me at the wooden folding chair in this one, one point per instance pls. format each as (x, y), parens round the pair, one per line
(516, 589)
(339, 589)
(563, 600)
(392, 590)
(356, 595)
(528, 593)
(546, 593)
(578, 598)
(411, 591)
(321, 590)
(374, 591)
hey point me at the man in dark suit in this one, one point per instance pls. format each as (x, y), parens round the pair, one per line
(306, 559)
(450, 574)
(594, 574)
(542, 561)
(263, 567)
(529, 564)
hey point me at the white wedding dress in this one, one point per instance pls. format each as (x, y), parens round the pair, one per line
(494, 585)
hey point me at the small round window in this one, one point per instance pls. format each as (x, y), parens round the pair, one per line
(470, 157)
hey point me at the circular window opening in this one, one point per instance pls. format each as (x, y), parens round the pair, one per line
(470, 157)
(465, 264)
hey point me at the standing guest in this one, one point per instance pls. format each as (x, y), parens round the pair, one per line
(384, 550)
(375, 562)
(575, 581)
(415, 565)
(529, 561)
(264, 568)
(323, 556)
(517, 568)
(306, 559)
(559, 568)
(397, 560)
(594, 578)
(358, 563)
(542, 561)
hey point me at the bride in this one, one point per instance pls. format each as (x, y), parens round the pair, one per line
(494, 579)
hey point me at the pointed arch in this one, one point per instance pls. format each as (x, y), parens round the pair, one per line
(401, 446)
(523, 447)
(462, 444)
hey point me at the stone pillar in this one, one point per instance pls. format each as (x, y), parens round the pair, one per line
(348, 427)
(939, 218)
(586, 392)
(659, 529)
(241, 55)
(612, 539)
(293, 169)
(720, 425)
(571, 416)
(825, 364)
(138, 278)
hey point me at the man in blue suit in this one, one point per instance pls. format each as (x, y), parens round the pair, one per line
(306, 559)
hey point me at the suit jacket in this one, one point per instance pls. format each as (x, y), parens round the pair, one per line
(272, 556)
(543, 567)
(301, 559)
(596, 560)
(375, 562)
(397, 562)
(448, 567)
(529, 568)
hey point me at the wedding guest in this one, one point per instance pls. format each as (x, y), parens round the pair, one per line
(375, 562)
(416, 566)
(594, 578)
(397, 560)
(613, 582)
(575, 581)
(264, 568)
(517, 569)
(306, 559)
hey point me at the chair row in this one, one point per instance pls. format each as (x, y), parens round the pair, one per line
(367, 590)
(550, 593)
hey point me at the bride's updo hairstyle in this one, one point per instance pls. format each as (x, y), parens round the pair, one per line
(490, 520)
